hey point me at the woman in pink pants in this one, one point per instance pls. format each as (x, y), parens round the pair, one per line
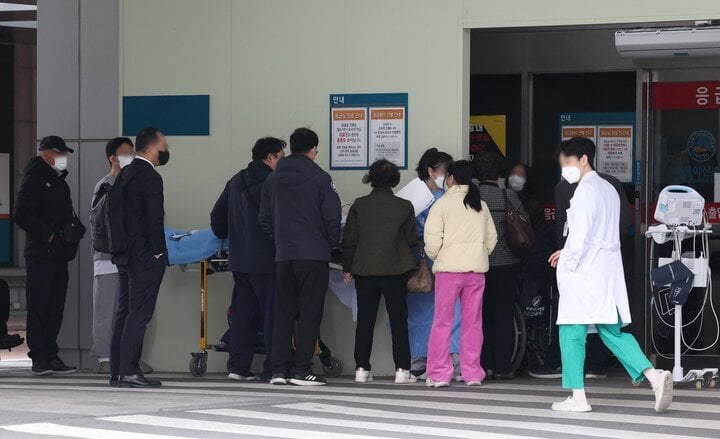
(459, 237)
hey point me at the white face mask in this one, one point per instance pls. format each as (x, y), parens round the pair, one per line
(125, 160)
(517, 183)
(440, 181)
(60, 163)
(571, 174)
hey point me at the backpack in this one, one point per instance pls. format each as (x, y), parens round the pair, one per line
(519, 233)
(106, 219)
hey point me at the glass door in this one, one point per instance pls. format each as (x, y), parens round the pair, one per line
(681, 135)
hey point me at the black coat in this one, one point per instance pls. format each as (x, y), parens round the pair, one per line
(235, 217)
(143, 216)
(42, 209)
(300, 209)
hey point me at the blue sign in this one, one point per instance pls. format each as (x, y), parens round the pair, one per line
(368, 127)
(183, 115)
(638, 172)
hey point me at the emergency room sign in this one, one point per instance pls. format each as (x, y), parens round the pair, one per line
(368, 127)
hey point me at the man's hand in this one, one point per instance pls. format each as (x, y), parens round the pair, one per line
(347, 277)
(554, 258)
(50, 240)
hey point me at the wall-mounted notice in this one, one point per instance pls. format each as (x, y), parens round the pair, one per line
(368, 127)
(349, 137)
(387, 135)
(613, 135)
(615, 152)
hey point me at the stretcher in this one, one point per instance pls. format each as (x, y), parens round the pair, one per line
(203, 247)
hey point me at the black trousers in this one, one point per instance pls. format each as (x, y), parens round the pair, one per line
(252, 311)
(136, 305)
(4, 307)
(301, 289)
(498, 310)
(369, 291)
(46, 290)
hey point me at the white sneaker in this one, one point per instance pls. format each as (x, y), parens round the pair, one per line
(278, 380)
(569, 405)
(664, 392)
(403, 376)
(363, 375)
(429, 382)
(237, 377)
(474, 383)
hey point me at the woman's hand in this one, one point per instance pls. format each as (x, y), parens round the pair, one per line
(347, 277)
(554, 258)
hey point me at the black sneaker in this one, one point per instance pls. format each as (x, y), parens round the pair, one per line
(41, 368)
(307, 380)
(57, 366)
(544, 372)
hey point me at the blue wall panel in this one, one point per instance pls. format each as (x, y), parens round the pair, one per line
(186, 115)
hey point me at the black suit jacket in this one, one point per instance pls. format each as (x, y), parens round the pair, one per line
(143, 216)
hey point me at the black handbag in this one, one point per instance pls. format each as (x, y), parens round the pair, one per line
(74, 230)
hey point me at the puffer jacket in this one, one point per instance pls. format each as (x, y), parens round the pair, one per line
(459, 239)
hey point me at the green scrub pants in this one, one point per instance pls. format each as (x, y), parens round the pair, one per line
(623, 345)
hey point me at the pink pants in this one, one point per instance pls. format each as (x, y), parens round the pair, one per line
(469, 288)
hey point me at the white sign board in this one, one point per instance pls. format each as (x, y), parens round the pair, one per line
(615, 152)
(387, 135)
(349, 138)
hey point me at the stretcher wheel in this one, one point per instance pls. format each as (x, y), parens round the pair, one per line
(699, 384)
(198, 364)
(334, 369)
(712, 383)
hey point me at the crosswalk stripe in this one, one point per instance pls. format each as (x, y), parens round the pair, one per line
(487, 408)
(224, 427)
(319, 408)
(483, 398)
(379, 426)
(50, 429)
(486, 393)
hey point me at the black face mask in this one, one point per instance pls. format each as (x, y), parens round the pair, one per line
(163, 157)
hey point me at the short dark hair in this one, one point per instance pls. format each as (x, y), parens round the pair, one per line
(383, 174)
(577, 147)
(303, 140)
(113, 145)
(488, 166)
(267, 145)
(145, 137)
(432, 158)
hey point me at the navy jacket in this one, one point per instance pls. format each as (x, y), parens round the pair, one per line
(300, 209)
(42, 209)
(235, 217)
(143, 216)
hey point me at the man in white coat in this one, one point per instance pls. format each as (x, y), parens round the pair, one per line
(593, 294)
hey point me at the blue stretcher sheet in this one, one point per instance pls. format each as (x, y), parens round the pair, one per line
(188, 248)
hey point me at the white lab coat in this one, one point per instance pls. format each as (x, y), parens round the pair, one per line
(590, 273)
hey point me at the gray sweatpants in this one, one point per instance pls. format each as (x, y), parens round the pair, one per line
(105, 297)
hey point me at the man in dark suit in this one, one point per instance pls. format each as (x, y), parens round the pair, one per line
(45, 212)
(143, 262)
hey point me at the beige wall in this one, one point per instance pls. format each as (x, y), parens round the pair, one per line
(269, 66)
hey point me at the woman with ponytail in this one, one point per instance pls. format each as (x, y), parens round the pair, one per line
(459, 237)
